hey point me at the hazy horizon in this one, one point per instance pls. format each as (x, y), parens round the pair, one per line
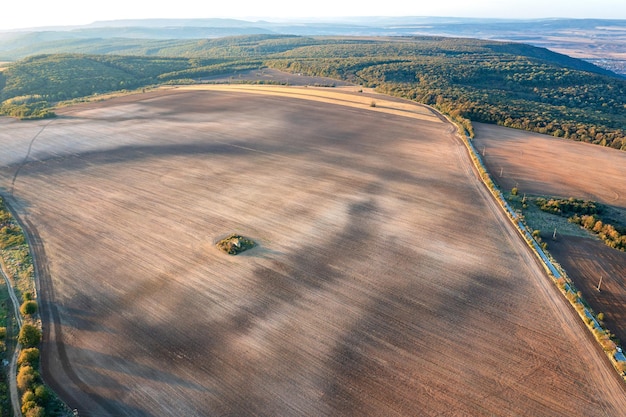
(38, 14)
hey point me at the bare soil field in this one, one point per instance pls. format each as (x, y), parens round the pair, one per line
(544, 165)
(385, 281)
(541, 164)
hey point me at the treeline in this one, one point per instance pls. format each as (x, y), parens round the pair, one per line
(610, 234)
(509, 84)
(37, 400)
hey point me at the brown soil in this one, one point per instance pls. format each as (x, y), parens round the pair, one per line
(587, 260)
(385, 280)
(541, 164)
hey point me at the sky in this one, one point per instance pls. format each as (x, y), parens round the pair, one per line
(40, 13)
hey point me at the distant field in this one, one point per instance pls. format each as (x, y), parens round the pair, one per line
(385, 281)
(544, 165)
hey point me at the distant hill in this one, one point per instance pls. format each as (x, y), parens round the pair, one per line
(602, 42)
(506, 83)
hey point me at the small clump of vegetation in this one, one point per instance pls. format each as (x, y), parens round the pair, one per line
(568, 206)
(235, 244)
(588, 215)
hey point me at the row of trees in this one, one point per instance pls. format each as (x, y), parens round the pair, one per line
(607, 232)
(36, 399)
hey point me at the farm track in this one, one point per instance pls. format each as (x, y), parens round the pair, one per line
(15, 397)
(355, 303)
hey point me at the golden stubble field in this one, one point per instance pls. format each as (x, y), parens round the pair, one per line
(385, 281)
(543, 165)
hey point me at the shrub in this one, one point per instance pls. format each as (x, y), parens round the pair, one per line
(25, 377)
(235, 244)
(29, 356)
(28, 396)
(514, 191)
(30, 336)
(28, 308)
(36, 411)
(42, 394)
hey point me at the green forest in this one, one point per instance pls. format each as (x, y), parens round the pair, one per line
(508, 84)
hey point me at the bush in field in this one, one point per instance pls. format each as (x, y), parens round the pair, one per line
(235, 244)
(30, 336)
(28, 308)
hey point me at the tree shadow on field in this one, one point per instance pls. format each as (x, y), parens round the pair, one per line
(95, 361)
(81, 319)
(78, 161)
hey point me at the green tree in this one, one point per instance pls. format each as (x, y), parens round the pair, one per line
(29, 336)
(28, 308)
(42, 394)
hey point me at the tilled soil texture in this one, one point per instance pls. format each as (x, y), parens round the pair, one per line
(541, 164)
(587, 261)
(384, 281)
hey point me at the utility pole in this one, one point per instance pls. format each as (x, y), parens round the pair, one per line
(554, 234)
(501, 170)
(600, 283)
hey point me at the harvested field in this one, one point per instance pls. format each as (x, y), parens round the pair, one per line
(385, 280)
(544, 165)
(541, 164)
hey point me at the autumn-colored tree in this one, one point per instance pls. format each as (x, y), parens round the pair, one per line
(25, 377)
(29, 336)
(28, 356)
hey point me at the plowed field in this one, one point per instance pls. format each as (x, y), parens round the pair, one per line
(385, 281)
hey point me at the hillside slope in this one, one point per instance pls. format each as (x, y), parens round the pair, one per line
(504, 83)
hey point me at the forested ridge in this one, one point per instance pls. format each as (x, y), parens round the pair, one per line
(509, 84)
